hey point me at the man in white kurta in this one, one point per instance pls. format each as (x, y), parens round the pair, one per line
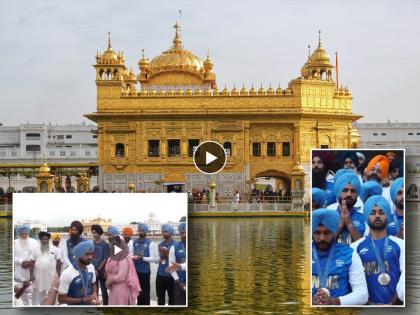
(24, 256)
(47, 264)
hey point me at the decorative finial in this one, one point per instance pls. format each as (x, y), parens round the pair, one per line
(109, 40)
(208, 53)
(142, 53)
(177, 39)
(319, 38)
(309, 52)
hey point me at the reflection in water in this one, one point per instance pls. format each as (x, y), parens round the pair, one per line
(239, 266)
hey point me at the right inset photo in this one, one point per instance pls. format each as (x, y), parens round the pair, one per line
(357, 227)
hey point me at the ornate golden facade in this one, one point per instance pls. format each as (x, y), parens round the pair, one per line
(148, 124)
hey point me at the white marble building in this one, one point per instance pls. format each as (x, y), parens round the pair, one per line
(400, 136)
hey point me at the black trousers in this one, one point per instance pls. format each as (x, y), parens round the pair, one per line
(144, 296)
(163, 285)
(100, 282)
(179, 295)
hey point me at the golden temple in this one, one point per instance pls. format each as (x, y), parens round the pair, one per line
(150, 124)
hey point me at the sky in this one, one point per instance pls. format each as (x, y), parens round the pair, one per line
(48, 49)
(62, 209)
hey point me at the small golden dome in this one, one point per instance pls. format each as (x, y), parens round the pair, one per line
(143, 92)
(216, 92)
(189, 92)
(171, 92)
(207, 92)
(144, 63)
(162, 92)
(234, 91)
(252, 91)
(244, 91)
(44, 168)
(198, 92)
(279, 91)
(152, 92)
(225, 91)
(320, 55)
(180, 92)
(289, 91)
(212, 185)
(208, 63)
(110, 57)
(270, 91)
(261, 90)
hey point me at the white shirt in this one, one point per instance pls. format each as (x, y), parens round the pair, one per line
(69, 274)
(45, 267)
(24, 251)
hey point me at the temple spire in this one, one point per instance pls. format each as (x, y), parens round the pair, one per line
(109, 40)
(319, 39)
(177, 39)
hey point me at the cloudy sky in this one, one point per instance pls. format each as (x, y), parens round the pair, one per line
(48, 49)
(62, 209)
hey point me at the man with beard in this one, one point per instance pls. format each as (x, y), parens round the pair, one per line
(47, 263)
(101, 252)
(352, 223)
(178, 254)
(77, 282)
(25, 249)
(144, 253)
(112, 232)
(350, 161)
(337, 272)
(377, 169)
(397, 195)
(75, 232)
(164, 281)
(322, 176)
(128, 234)
(382, 255)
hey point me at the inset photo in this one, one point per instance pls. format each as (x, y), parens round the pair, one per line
(357, 215)
(100, 250)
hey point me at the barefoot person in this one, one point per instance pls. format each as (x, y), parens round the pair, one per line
(382, 255)
(337, 272)
(77, 282)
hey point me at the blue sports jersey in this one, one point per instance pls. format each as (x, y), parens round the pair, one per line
(71, 282)
(100, 252)
(358, 220)
(161, 269)
(338, 274)
(70, 245)
(380, 294)
(180, 255)
(329, 192)
(142, 248)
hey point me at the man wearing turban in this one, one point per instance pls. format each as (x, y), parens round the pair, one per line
(377, 169)
(128, 234)
(318, 198)
(47, 264)
(75, 232)
(397, 196)
(25, 249)
(352, 224)
(77, 282)
(164, 280)
(101, 252)
(322, 175)
(382, 255)
(178, 254)
(144, 252)
(337, 272)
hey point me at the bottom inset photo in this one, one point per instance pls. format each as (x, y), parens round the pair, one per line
(358, 247)
(100, 250)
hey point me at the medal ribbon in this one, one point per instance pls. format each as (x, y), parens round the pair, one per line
(84, 283)
(378, 257)
(323, 274)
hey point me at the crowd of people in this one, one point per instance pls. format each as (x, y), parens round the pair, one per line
(358, 252)
(110, 270)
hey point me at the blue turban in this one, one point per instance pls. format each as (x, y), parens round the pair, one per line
(379, 201)
(168, 228)
(319, 197)
(82, 248)
(143, 226)
(343, 180)
(22, 228)
(182, 227)
(113, 231)
(370, 188)
(395, 187)
(341, 172)
(328, 218)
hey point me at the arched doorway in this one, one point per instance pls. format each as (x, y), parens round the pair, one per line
(271, 185)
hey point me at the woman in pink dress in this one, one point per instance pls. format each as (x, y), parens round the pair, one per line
(122, 281)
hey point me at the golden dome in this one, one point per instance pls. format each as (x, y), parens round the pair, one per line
(44, 168)
(270, 91)
(198, 92)
(109, 56)
(225, 91)
(320, 55)
(189, 92)
(244, 91)
(171, 92)
(176, 58)
(152, 92)
(261, 90)
(162, 92)
(180, 92)
(216, 92)
(143, 92)
(234, 91)
(279, 91)
(252, 91)
(207, 92)
(144, 63)
(208, 63)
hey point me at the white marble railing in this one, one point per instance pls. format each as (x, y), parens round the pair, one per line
(241, 207)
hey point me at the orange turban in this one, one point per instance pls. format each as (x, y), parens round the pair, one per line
(55, 236)
(128, 231)
(383, 163)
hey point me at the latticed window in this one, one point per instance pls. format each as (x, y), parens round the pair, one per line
(119, 150)
(228, 148)
(256, 149)
(174, 148)
(286, 148)
(153, 148)
(271, 149)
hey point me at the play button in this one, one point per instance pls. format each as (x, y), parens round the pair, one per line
(209, 157)
(116, 249)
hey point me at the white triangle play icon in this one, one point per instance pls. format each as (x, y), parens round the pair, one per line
(210, 158)
(116, 249)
